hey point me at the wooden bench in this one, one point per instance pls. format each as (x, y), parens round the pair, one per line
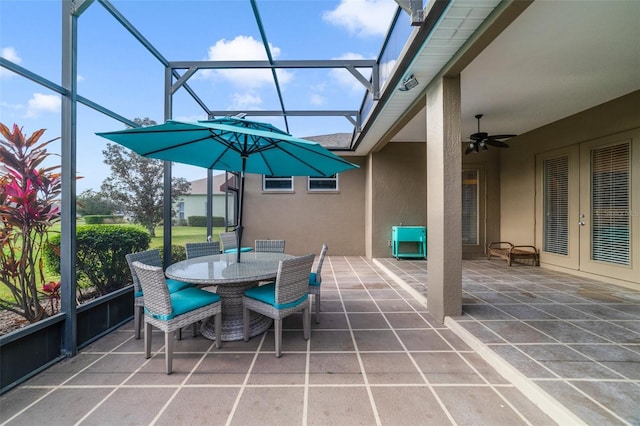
(509, 252)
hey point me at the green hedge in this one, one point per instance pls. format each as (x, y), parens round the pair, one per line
(201, 221)
(101, 251)
(97, 219)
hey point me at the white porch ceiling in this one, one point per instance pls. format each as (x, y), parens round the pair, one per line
(555, 59)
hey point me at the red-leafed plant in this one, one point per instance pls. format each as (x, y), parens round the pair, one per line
(52, 291)
(28, 196)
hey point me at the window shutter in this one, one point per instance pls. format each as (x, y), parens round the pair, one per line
(556, 205)
(610, 204)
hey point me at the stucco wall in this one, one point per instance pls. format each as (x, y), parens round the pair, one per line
(399, 192)
(306, 219)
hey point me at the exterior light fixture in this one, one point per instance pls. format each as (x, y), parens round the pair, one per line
(408, 83)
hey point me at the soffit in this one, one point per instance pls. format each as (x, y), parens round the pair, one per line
(556, 59)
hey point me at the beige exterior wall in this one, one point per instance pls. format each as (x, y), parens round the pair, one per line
(518, 165)
(398, 192)
(306, 219)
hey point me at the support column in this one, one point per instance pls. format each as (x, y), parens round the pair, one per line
(68, 144)
(444, 199)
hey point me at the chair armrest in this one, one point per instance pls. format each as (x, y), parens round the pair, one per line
(497, 244)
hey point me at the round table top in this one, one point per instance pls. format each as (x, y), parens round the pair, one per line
(225, 269)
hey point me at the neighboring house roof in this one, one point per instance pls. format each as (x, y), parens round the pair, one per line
(199, 187)
(333, 140)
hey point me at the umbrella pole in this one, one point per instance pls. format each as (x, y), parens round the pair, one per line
(241, 208)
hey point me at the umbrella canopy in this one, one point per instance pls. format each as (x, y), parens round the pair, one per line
(235, 145)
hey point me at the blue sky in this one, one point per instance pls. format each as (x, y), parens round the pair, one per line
(115, 71)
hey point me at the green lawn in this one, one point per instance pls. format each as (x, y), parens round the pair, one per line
(180, 236)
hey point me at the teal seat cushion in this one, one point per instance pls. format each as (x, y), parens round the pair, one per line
(242, 250)
(173, 285)
(187, 300)
(313, 279)
(267, 294)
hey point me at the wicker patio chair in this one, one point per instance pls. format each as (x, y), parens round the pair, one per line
(277, 300)
(202, 249)
(270, 246)
(152, 258)
(315, 279)
(229, 241)
(171, 311)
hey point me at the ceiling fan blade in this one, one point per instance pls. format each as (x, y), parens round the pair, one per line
(493, 142)
(501, 136)
(478, 136)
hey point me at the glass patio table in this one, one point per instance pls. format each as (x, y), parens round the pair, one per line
(230, 279)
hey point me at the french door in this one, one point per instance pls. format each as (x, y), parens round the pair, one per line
(585, 204)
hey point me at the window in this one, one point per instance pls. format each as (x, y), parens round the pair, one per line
(181, 210)
(277, 183)
(610, 204)
(470, 207)
(556, 205)
(329, 183)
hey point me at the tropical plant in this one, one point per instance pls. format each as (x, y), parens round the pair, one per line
(28, 196)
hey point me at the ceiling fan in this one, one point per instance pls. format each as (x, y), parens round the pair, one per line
(481, 140)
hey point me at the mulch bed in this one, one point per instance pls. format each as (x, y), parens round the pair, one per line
(10, 321)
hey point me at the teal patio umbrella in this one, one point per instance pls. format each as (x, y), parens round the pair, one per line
(235, 145)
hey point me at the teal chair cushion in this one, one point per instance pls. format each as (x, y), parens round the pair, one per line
(312, 279)
(267, 294)
(187, 300)
(242, 250)
(174, 285)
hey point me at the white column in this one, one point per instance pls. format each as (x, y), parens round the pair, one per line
(444, 200)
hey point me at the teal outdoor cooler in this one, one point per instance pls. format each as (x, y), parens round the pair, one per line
(409, 241)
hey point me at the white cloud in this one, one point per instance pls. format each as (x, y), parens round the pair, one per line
(10, 54)
(13, 107)
(245, 48)
(363, 18)
(345, 78)
(42, 103)
(245, 101)
(317, 99)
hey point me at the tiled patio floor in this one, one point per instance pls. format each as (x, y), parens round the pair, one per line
(570, 338)
(377, 357)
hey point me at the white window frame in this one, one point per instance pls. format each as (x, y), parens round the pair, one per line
(333, 178)
(267, 178)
